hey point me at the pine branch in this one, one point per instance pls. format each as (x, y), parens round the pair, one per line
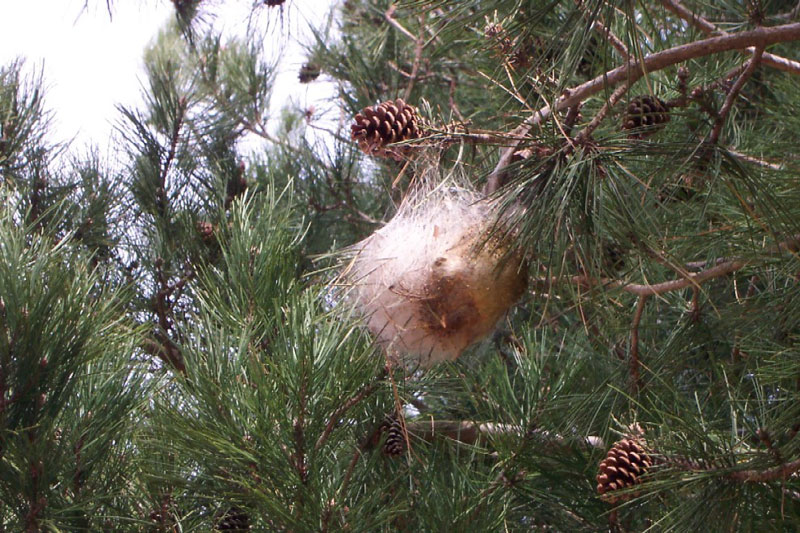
(752, 64)
(635, 69)
(781, 63)
(636, 380)
(419, 46)
(778, 473)
(161, 198)
(615, 97)
(469, 432)
(337, 415)
(604, 31)
(640, 289)
(389, 16)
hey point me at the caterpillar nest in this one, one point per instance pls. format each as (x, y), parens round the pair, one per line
(437, 277)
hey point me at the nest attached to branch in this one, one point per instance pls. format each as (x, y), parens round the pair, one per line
(437, 277)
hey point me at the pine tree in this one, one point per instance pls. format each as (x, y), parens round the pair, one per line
(177, 352)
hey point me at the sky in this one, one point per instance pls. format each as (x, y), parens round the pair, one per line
(92, 62)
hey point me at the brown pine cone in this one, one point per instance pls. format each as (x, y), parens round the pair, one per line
(395, 443)
(390, 122)
(308, 73)
(644, 116)
(232, 519)
(206, 230)
(623, 467)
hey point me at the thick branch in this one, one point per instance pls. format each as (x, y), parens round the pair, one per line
(163, 348)
(778, 62)
(777, 473)
(635, 69)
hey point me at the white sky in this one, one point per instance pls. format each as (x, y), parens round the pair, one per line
(92, 62)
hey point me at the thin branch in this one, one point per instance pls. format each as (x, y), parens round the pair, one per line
(418, 47)
(778, 62)
(631, 71)
(790, 245)
(615, 97)
(778, 473)
(389, 16)
(161, 194)
(615, 41)
(342, 409)
(734, 93)
(636, 383)
(605, 32)
(755, 160)
(452, 99)
(469, 432)
(641, 289)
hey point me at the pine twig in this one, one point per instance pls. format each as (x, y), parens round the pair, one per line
(778, 62)
(641, 289)
(346, 406)
(161, 192)
(615, 97)
(389, 16)
(615, 41)
(734, 93)
(605, 32)
(471, 432)
(636, 383)
(633, 70)
(778, 473)
(419, 45)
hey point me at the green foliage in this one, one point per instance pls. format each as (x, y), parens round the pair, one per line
(173, 352)
(69, 396)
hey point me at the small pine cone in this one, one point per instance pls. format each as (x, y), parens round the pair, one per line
(645, 115)
(308, 73)
(233, 519)
(395, 443)
(500, 42)
(623, 467)
(390, 122)
(206, 230)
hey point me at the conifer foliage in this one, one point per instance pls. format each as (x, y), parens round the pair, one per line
(179, 345)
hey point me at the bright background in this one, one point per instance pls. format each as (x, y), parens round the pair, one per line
(92, 61)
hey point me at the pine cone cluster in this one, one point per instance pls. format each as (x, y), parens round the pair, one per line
(623, 466)
(377, 127)
(644, 116)
(233, 519)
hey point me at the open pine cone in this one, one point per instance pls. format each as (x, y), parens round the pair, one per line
(644, 116)
(623, 467)
(377, 127)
